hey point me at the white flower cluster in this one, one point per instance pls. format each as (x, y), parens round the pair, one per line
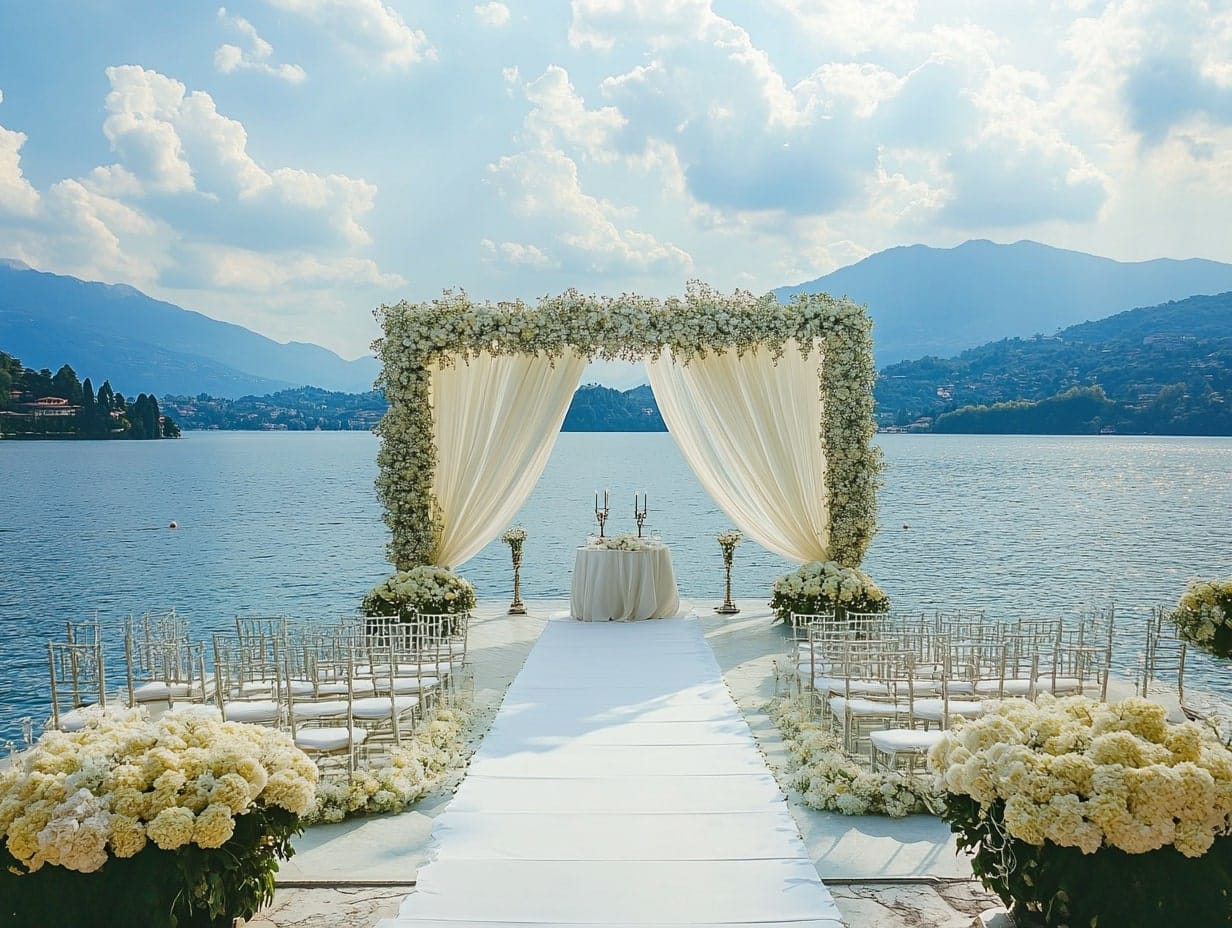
(628, 542)
(514, 536)
(1204, 615)
(424, 589)
(419, 338)
(413, 771)
(832, 782)
(822, 586)
(74, 799)
(729, 539)
(1085, 774)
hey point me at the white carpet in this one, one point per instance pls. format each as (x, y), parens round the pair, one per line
(618, 785)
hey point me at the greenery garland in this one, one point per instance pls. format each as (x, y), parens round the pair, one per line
(421, 337)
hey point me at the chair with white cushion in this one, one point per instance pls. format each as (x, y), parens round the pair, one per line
(324, 727)
(878, 689)
(247, 679)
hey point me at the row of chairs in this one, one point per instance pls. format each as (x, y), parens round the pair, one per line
(340, 689)
(890, 683)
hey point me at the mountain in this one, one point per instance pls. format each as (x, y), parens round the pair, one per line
(939, 301)
(1165, 369)
(596, 408)
(145, 344)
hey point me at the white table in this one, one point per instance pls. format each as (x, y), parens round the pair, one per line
(623, 585)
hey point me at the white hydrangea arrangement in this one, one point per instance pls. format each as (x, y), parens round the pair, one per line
(426, 589)
(831, 781)
(1203, 616)
(419, 338)
(128, 787)
(824, 586)
(1043, 791)
(435, 749)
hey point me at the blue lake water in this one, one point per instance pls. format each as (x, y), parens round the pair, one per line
(289, 523)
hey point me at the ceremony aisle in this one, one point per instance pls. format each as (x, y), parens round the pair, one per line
(619, 785)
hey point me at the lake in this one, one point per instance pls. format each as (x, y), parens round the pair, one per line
(289, 523)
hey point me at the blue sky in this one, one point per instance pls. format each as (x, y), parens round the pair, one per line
(289, 164)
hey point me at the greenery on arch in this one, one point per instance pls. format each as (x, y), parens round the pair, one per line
(421, 337)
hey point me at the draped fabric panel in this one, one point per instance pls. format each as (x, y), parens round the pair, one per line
(750, 430)
(495, 419)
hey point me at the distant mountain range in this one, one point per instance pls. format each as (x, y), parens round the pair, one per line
(923, 301)
(152, 346)
(940, 301)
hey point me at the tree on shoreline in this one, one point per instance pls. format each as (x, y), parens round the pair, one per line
(83, 413)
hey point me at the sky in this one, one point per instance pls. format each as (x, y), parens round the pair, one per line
(288, 165)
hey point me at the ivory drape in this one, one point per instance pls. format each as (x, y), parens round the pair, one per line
(749, 428)
(495, 421)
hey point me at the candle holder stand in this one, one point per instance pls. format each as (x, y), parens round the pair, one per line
(728, 607)
(517, 607)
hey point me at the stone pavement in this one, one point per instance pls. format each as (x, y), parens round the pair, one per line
(882, 873)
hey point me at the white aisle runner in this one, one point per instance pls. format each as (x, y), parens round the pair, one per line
(619, 785)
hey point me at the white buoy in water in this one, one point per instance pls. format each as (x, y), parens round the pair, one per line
(173, 525)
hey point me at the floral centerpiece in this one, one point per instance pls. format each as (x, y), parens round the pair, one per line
(627, 542)
(430, 589)
(825, 586)
(1203, 616)
(728, 541)
(175, 822)
(1088, 813)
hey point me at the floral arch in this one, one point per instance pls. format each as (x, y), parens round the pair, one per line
(771, 405)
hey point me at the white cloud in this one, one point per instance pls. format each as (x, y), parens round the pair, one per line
(852, 25)
(518, 253)
(231, 58)
(17, 196)
(172, 142)
(227, 268)
(602, 23)
(187, 212)
(97, 237)
(370, 27)
(560, 114)
(493, 15)
(544, 184)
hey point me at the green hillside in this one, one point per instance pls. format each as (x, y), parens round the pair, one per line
(1165, 369)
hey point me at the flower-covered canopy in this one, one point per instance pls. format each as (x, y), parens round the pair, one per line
(423, 340)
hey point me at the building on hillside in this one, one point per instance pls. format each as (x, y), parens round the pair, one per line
(51, 406)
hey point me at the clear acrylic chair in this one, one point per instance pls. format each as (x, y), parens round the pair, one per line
(78, 680)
